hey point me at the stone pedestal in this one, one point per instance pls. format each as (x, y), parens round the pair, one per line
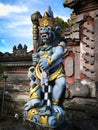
(32, 126)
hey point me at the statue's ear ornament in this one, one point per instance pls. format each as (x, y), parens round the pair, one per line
(57, 29)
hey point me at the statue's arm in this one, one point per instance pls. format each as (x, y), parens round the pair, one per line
(58, 52)
(55, 58)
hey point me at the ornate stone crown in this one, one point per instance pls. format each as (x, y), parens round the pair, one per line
(47, 21)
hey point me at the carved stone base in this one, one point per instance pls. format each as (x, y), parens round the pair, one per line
(33, 126)
(44, 117)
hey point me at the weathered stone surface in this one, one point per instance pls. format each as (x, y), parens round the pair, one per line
(18, 77)
(92, 14)
(77, 65)
(88, 50)
(85, 105)
(10, 123)
(78, 90)
(75, 35)
(75, 27)
(82, 113)
(69, 66)
(67, 36)
(96, 52)
(80, 17)
(96, 34)
(16, 95)
(91, 86)
(20, 97)
(32, 126)
(89, 26)
(88, 34)
(96, 83)
(10, 87)
(76, 49)
(89, 66)
(96, 12)
(88, 58)
(89, 74)
(84, 101)
(89, 42)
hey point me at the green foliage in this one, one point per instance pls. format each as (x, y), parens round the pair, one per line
(62, 25)
(61, 22)
(2, 68)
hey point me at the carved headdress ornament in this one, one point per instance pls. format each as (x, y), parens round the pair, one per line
(47, 19)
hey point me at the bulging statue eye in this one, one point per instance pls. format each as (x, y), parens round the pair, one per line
(40, 28)
(49, 28)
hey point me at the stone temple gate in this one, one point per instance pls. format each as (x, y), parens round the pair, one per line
(82, 38)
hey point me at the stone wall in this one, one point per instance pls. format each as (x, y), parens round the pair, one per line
(81, 98)
(81, 36)
(17, 84)
(16, 93)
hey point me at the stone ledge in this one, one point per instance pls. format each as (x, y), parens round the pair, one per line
(82, 113)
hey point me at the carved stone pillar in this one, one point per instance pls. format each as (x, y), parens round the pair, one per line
(96, 53)
(77, 63)
(87, 48)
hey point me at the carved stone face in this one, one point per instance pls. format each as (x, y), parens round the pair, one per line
(45, 34)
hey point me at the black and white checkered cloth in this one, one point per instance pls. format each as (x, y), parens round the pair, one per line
(47, 92)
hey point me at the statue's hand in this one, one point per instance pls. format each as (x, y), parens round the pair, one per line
(35, 58)
(44, 63)
(32, 103)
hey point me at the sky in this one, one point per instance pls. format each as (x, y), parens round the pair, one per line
(15, 20)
